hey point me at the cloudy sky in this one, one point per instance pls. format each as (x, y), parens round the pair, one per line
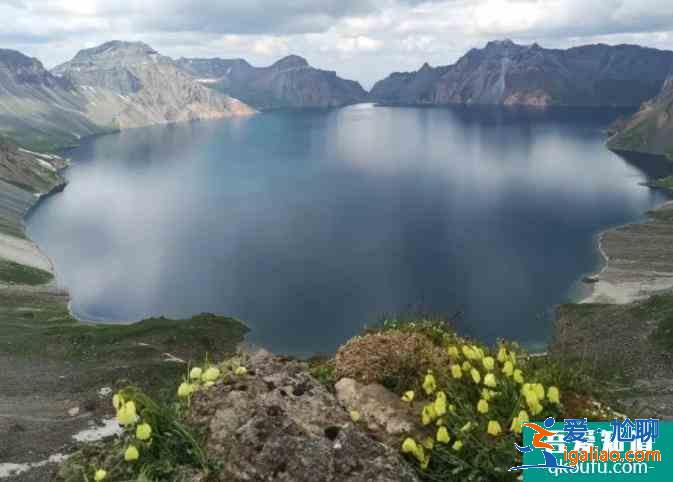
(360, 39)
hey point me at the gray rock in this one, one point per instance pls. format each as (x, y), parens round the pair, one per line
(279, 424)
(384, 414)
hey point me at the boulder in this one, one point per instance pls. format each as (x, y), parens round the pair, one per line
(277, 423)
(382, 411)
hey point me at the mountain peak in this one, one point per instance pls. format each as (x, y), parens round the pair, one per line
(14, 58)
(115, 48)
(291, 62)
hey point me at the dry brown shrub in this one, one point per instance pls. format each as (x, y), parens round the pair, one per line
(396, 359)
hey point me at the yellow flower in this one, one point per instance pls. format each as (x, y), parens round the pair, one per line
(457, 445)
(467, 427)
(508, 368)
(117, 401)
(195, 373)
(476, 376)
(240, 371)
(468, 352)
(518, 421)
(208, 384)
(143, 431)
(409, 446)
(494, 428)
(516, 425)
(428, 443)
(489, 380)
(489, 363)
(428, 415)
(487, 394)
(467, 366)
(440, 404)
(502, 354)
(429, 384)
(408, 396)
(478, 352)
(482, 406)
(355, 416)
(518, 376)
(456, 372)
(523, 416)
(453, 351)
(443, 435)
(131, 453)
(127, 414)
(211, 374)
(536, 408)
(185, 390)
(539, 390)
(425, 461)
(452, 408)
(100, 475)
(553, 395)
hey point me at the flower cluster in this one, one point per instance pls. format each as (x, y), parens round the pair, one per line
(139, 416)
(470, 404)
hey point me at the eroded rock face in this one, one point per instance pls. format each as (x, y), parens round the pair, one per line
(279, 424)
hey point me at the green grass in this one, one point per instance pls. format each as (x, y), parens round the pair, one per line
(659, 309)
(15, 273)
(666, 182)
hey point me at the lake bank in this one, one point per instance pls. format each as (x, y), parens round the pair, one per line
(638, 260)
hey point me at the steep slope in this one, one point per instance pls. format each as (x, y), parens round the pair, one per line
(290, 82)
(651, 129)
(129, 84)
(510, 74)
(38, 108)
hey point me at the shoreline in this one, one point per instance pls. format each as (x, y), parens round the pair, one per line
(631, 272)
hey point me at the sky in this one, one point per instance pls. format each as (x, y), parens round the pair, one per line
(364, 40)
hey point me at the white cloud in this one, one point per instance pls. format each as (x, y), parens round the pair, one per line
(366, 39)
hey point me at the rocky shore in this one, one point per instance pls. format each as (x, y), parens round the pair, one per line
(638, 260)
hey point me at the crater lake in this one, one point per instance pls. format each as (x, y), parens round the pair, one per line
(310, 225)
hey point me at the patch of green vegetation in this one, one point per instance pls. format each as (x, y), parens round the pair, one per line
(665, 183)
(15, 273)
(323, 370)
(660, 310)
(156, 445)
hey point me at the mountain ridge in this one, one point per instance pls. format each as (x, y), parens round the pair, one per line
(507, 73)
(290, 82)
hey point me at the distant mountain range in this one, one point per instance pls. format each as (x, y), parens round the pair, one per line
(114, 86)
(510, 74)
(289, 83)
(119, 85)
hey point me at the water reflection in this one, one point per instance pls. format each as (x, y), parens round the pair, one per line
(307, 225)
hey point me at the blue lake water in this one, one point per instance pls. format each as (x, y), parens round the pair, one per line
(309, 225)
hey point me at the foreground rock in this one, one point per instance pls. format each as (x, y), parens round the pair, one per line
(385, 415)
(509, 74)
(278, 423)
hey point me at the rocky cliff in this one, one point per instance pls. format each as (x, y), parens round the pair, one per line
(37, 107)
(511, 74)
(290, 82)
(129, 84)
(650, 130)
